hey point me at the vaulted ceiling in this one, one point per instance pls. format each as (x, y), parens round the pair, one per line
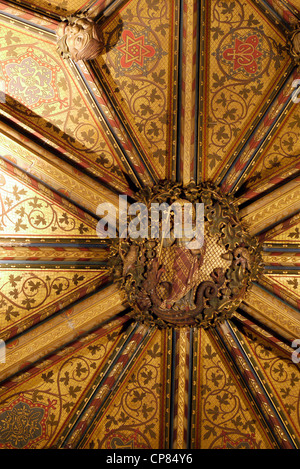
(79, 370)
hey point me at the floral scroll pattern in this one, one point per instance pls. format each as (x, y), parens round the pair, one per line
(132, 418)
(137, 72)
(243, 49)
(24, 213)
(226, 420)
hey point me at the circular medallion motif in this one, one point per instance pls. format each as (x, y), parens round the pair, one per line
(171, 282)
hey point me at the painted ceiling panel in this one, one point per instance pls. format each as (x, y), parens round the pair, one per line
(133, 416)
(26, 297)
(30, 210)
(49, 98)
(222, 415)
(236, 95)
(55, 389)
(280, 374)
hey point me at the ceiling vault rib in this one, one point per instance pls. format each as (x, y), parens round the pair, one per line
(202, 67)
(109, 6)
(182, 373)
(242, 320)
(261, 190)
(198, 59)
(190, 387)
(266, 407)
(139, 171)
(290, 308)
(287, 12)
(283, 286)
(287, 269)
(272, 209)
(188, 86)
(265, 306)
(179, 98)
(172, 389)
(29, 13)
(269, 234)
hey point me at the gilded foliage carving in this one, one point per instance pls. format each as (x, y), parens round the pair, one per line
(169, 284)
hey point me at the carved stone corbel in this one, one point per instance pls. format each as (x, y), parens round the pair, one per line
(294, 45)
(79, 38)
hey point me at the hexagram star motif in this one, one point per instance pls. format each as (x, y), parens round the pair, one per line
(134, 49)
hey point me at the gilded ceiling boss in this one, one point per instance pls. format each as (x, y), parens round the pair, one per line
(170, 284)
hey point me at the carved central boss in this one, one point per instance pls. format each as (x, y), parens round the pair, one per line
(171, 281)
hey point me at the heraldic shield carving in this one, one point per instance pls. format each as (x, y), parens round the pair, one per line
(171, 282)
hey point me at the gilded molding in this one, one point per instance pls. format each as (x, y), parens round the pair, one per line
(281, 258)
(181, 394)
(272, 312)
(53, 171)
(272, 208)
(188, 74)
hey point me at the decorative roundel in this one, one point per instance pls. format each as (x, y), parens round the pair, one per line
(173, 281)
